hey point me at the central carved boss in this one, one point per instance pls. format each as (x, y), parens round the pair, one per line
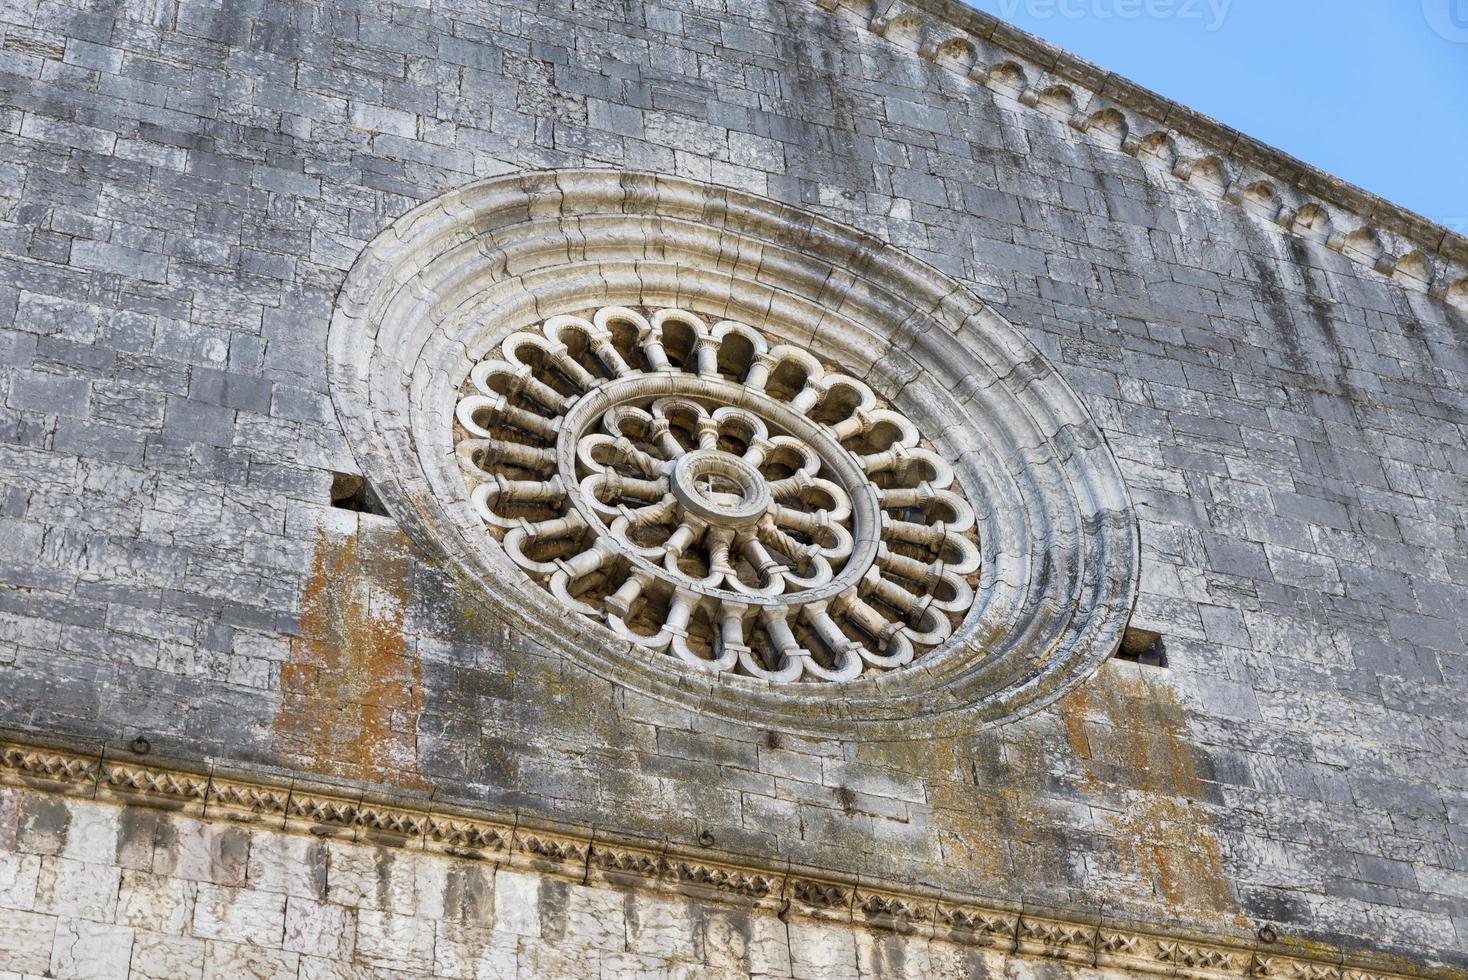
(719, 488)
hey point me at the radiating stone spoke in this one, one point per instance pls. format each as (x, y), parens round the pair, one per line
(491, 455)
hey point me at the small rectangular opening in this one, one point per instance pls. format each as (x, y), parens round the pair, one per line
(352, 492)
(1144, 647)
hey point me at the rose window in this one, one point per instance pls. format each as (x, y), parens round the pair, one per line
(710, 494)
(740, 516)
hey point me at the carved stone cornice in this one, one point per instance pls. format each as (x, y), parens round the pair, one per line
(1111, 111)
(301, 805)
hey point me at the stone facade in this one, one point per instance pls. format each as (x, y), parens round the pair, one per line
(1276, 362)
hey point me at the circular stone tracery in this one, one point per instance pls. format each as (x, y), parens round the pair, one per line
(453, 278)
(705, 492)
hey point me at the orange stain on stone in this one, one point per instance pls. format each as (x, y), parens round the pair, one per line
(985, 826)
(983, 807)
(350, 692)
(1130, 743)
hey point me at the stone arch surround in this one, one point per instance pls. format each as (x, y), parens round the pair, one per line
(445, 282)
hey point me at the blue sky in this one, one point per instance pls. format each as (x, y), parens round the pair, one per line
(1373, 91)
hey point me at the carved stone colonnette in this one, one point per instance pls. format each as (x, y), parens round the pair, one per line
(605, 857)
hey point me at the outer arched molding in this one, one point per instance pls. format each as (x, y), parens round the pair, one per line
(447, 281)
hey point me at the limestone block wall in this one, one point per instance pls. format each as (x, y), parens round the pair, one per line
(183, 185)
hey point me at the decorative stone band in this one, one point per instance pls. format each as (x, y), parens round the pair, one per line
(602, 856)
(424, 319)
(1117, 113)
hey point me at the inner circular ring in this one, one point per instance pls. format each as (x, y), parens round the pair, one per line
(720, 488)
(842, 465)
